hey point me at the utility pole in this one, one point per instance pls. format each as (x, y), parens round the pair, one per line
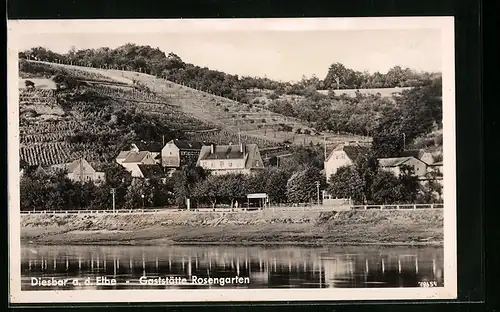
(317, 186)
(113, 193)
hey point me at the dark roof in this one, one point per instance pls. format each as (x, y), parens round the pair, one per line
(352, 150)
(254, 159)
(393, 161)
(417, 153)
(123, 154)
(226, 152)
(134, 157)
(151, 171)
(188, 145)
(148, 146)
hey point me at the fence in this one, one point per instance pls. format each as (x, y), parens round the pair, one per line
(117, 211)
(398, 207)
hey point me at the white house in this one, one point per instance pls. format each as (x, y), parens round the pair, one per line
(177, 153)
(424, 156)
(344, 154)
(132, 161)
(394, 165)
(81, 171)
(224, 159)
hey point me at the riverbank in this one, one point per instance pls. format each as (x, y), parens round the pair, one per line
(377, 227)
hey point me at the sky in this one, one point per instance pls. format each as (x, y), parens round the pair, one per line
(277, 54)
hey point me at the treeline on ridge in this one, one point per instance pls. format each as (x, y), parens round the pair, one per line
(154, 61)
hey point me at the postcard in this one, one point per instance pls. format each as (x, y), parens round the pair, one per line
(208, 160)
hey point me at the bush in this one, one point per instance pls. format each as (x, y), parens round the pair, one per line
(438, 141)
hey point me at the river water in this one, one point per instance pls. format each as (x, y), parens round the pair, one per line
(265, 267)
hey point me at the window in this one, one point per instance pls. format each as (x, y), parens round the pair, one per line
(230, 164)
(222, 164)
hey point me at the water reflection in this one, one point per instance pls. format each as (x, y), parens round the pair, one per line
(266, 267)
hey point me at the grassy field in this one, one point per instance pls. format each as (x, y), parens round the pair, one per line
(268, 227)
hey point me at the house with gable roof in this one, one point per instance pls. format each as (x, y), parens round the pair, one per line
(344, 154)
(142, 146)
(131, 159)
(225, 159)
(81, 171)
(424, 156)
(151, 172)
(177, 153)
(394, 165)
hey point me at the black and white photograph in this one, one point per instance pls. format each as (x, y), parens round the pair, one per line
(231, 160)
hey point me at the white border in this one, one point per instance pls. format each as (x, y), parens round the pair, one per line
(17, 28)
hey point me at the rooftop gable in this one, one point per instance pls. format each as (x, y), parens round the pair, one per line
(395, 161)
(154, 147)
(221, 152)
(151, 171)
(352, 150)
(136, 157)
(80, 164)
(123, 154)
(187, 145)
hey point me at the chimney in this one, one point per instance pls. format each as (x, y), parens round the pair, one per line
(211, 148)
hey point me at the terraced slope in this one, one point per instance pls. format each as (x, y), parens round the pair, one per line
(250, 120)
(95, 120)
(51, 134)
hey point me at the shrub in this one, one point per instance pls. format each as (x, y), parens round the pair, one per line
(438, 140)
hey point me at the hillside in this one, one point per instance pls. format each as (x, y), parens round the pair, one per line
(97, 112)
(91, 116)
(250, 119)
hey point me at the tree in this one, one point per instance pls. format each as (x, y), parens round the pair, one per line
(409, 185)
(431, 191)
(208, 189)
(163, 192)
(120, 179)
(232, 187)
(367, 167)
(185, 180)
(301, 187)
(135, 192)
(276, 186)
(347, 183)
(335, 78)
(387, 145)
(386, 188)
